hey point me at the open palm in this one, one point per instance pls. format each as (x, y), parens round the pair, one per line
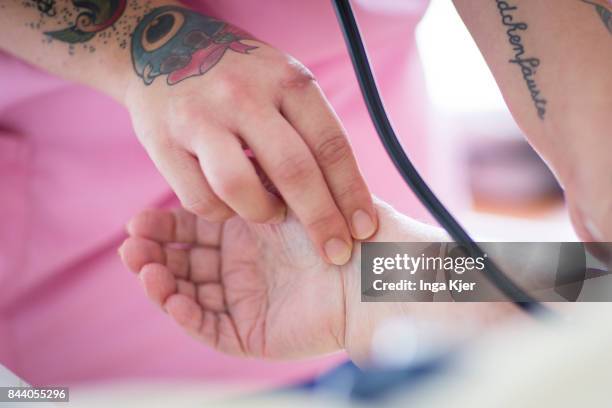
(244, 289)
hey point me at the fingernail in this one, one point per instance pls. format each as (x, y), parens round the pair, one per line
(363, 225)
(337, 251)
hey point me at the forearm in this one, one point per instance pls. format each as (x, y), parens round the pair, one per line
(364, 318)
(552, 61)
(533, 267)
(88, 44)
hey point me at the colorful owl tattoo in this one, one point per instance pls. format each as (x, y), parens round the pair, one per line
(180, 43)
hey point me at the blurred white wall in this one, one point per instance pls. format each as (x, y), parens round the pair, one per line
(458, 79)
(467, 108)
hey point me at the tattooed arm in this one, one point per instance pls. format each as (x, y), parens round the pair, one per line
(553, 62)
(200, 91)
(89, 44)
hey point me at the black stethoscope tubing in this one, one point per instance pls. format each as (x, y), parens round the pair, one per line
(409, 173)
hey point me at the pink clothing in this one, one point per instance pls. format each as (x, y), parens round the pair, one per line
(73, 173)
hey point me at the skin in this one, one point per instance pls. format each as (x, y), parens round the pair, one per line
(196, 126)
(262, 290)
(248, 303)
(573, 43)
(557, 87)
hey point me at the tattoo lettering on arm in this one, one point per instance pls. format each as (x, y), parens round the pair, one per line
(181, 43)
(604, 11)
(527, 65)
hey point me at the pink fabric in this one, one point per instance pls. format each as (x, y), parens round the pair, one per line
(72, 174)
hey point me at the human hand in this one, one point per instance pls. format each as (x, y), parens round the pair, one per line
(214, 92)
(255, 290)
(242, 288)
(262, 290)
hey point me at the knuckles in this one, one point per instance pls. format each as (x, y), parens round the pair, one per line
(160, 147)
(185, 109)
(227, 94)
(334, 149)
(230, 186)
(241, 90)
(353, 192)
(232, 88)
(293, 170)
(294, 75)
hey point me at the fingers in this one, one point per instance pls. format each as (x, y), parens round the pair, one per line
(198, 309)
(185, 311)
(163, 289)
(234, 179)
(210, 296)
(158, 283)
(220, 182)
(216, 329)
(199, 265)
(178, 226)
(327, 140)
(182, 171)
(137, 252)
(204, 321)
(164, 226)
(290, 165)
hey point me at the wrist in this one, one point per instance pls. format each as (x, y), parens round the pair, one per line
(361, 318)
